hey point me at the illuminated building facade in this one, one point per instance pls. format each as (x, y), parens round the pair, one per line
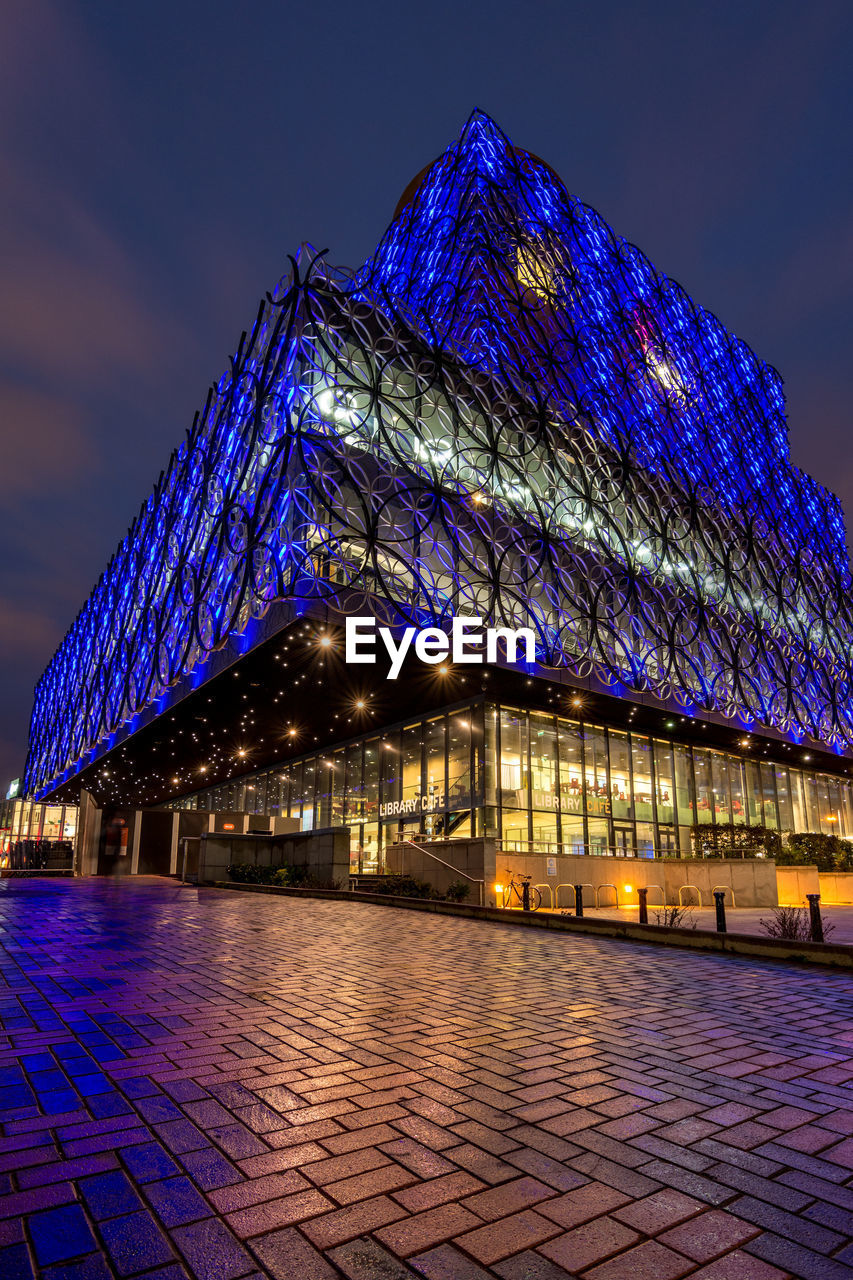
(506, 413)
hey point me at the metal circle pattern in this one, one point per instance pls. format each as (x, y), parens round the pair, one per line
(507, 412)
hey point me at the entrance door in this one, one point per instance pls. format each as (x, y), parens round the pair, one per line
(623, 838)
(668, 847)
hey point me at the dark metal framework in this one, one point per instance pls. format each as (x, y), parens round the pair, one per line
(506, 413)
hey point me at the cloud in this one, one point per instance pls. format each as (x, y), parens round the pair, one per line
(43, 442)
(25, 629)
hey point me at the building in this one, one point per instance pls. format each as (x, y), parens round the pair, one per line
(507, 413)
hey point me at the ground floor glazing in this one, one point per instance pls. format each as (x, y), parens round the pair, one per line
(534, 780)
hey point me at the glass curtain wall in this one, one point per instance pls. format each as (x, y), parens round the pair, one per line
(533, 779)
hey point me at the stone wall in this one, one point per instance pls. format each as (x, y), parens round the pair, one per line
(325, 855)
(424, 860)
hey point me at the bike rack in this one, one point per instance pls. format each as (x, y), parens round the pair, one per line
(695, 890)
(540, 887)
(606, 886)
(726, 888)
(662, 902)
(585, 885)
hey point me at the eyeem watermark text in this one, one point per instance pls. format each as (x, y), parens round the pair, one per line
(468, 641)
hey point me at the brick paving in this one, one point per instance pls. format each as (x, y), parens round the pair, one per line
(213, 1085)
(838, 921)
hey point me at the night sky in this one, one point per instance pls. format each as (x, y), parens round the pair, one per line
(161, 160)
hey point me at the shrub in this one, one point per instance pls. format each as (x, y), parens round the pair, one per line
(735, 840)
(407, 887)
(281, 876)
(248, 873)
(676, 917)
(458, 891)
(793, 924)
(827, 853)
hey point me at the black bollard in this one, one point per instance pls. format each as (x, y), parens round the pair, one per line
(720, 903)
(814, 916)
(525, 896)
(578, 900)
(642, 894)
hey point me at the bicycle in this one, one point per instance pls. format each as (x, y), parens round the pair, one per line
(528, 896)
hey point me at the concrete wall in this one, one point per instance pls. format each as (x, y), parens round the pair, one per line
(476, 858)
(836, 888)
(793, 883)
(751, 882)
(324, 854)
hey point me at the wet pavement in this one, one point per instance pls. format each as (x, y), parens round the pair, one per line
(222, 1085)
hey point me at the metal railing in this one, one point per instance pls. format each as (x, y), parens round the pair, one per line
(40, 855)
(421, 848)
(532, 848)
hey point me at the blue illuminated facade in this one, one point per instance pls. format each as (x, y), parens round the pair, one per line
(507, 413)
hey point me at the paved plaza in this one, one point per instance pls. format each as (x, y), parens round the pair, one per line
(221, 1085)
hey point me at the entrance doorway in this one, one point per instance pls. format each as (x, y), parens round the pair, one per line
(623, 839)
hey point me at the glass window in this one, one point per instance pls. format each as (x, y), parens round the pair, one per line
(491, 755)
(596, 794)
(369, 847)
(543, 764)
(641, 761)
(664, 787)
(52, 824)
(544, 827)
(354, 792)
(513, 759)
(645, 840)
(798, 800)
(574, 840)
(370, 802)
(770, 817)
(413, 737)
(514, 835)
(824, 805)
(599, 836)
(834, 813)
(389, 764)
(70, 821)
(620, 775)
(846, 810)
(783, 794)
(324, 793)
(738, 789)
(571, 769)
(753, 791)
(295, 801)
(704, 787)
(338, 781)
(459, 760)
(309, 779)
(478, 754)
(684, 798)
(720, 787)
(812, 809)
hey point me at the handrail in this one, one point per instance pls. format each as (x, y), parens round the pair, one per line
(422, 849)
